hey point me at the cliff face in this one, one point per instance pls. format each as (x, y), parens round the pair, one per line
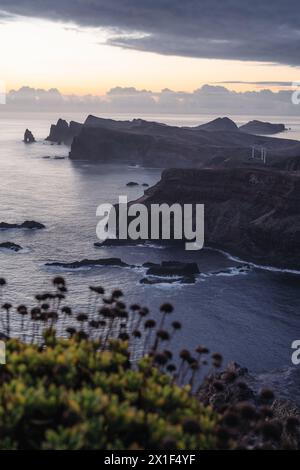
(64, 132)
(252, 213)
(106, 145)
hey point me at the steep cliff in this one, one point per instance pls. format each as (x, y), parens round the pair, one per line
(62, 132)
(252, 213)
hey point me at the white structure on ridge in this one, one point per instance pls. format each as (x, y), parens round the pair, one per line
(262, 154)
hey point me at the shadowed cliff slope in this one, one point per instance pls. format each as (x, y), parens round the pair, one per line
(152, 144)
(253, 213)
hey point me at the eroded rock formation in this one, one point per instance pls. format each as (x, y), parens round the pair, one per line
(28, 137)
(62, 132)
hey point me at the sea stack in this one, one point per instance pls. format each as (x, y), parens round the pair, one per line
(62, 132)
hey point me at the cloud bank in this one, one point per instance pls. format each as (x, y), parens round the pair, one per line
(208, 99)
(260, 30)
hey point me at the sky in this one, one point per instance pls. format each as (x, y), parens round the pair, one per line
(92, 46)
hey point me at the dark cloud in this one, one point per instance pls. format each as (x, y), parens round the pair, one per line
(208, 99)
(259, 30)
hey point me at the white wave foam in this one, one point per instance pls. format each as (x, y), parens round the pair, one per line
(66, 269)
(153, 245)
(233, 272)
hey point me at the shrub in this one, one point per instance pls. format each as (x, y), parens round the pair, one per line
(114, 384)
(71, 395)
(111, 385)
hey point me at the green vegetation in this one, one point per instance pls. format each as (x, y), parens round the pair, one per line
(106, 378)
(70, 395)
(110, 385)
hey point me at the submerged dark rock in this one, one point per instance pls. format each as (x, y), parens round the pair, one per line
(132, 183)
(10, 246)
(28, 137)
(28, 224)
(85, 263)
(31, 224)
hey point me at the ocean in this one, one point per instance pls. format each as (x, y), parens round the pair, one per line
(251, 318)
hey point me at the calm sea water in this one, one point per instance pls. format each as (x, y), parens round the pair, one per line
(250, 318)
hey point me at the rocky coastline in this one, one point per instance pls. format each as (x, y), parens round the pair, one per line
(251, 213)
(219, 143)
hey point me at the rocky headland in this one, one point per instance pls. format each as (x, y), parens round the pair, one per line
(139, 142)
(264, 128)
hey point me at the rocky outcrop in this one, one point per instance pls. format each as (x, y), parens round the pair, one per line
(252, 213)
(219, 124)
(89, 263)
(28, 137)
(149, 144)
(28, 224)
(170, 272)
(10, 246)
(264, 128)
(62, 132)
(172, 268)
